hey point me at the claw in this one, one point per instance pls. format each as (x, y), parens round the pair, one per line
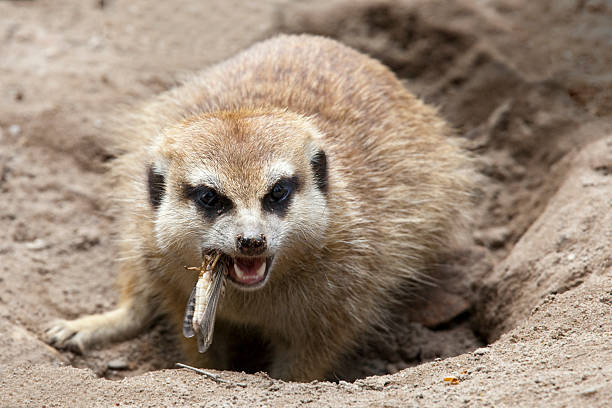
(61, 335)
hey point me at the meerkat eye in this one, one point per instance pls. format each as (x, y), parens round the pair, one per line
(278, 198)
(209, 200)
(279, 192)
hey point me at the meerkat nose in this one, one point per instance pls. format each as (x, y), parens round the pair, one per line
(251, 246)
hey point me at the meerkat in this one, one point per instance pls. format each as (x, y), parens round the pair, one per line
(324, 181)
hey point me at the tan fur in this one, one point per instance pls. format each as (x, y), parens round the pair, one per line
(398, 189)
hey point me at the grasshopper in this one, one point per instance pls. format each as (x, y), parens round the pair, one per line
(202, 304)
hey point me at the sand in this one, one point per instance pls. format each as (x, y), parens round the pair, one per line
(521, 314)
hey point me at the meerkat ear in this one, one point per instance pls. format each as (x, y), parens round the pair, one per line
(318, 162)
(157, 186)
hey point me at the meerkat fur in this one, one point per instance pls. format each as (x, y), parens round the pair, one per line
(377, 189)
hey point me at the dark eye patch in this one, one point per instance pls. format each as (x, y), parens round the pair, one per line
(279, 197)
(156, 184)
(319, 168)
(208, 200)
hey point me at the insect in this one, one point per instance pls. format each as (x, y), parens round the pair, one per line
(201, 307)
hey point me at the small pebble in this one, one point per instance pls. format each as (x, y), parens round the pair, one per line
(37, 244)
(589, 391)
(118, 364)
(95, 42)
(14, 130)
(451, 380)
(481, 351)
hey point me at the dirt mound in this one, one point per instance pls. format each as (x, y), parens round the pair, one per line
(526, 84)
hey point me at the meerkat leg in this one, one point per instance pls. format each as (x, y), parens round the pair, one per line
(80, 334)
(135, 312)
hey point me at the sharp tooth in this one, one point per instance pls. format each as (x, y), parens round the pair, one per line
(239, 271)
(262, 269)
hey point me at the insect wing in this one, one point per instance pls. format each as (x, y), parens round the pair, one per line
(207, 325)
(189, 310)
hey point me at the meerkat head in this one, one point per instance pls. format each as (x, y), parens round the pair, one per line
(252, 184)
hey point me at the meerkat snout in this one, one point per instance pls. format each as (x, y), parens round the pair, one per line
(251, 245)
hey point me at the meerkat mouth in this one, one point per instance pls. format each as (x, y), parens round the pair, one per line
(249, 272)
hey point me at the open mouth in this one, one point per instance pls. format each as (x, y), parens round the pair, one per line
(249, 272)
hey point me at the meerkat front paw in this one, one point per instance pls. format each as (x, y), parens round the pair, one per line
(80, 334)
(67, 334)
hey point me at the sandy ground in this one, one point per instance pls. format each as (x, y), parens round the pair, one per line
(521, 315)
